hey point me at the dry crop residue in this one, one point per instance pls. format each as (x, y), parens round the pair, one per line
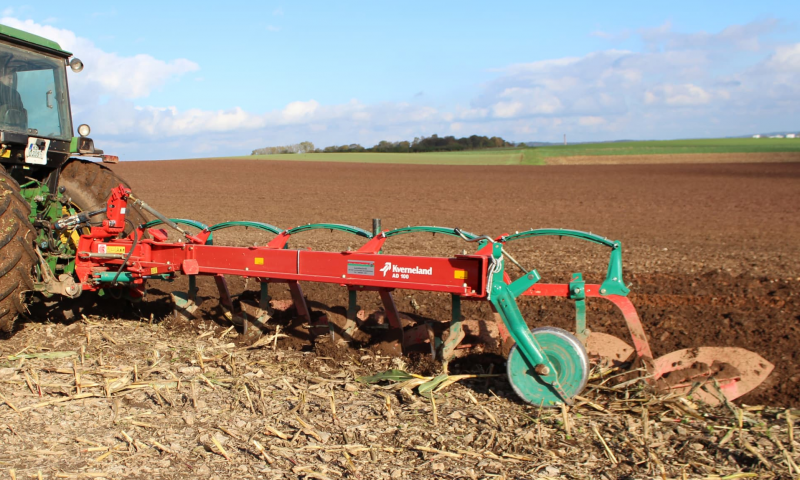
(103, 398)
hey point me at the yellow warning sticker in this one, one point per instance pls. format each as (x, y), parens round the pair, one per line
(5, 153)
(460, 274)
(153, 270)
(115, 249)
(259, 261)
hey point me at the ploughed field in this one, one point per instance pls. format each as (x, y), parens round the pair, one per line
(710, 251)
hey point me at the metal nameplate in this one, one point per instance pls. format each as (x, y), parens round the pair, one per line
(359, 267)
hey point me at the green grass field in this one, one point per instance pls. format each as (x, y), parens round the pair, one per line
(539, 155)
(667, 147)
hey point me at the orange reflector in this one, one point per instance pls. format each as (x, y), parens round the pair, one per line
(460, 274)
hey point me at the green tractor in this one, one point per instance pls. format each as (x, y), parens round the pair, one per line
(42, 184)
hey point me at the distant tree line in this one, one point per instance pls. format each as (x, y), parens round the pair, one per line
(302, 147)
(434, 143)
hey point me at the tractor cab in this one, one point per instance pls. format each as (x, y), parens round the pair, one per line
(33, 94)
(36, 132)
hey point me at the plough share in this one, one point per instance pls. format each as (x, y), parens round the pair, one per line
(546, 366)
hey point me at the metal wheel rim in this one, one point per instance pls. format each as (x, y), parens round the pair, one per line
(574, 343)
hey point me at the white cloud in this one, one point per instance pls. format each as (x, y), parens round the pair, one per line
(786, 59)
(108, 73)
(591, 121)
(735, 37)
(298, 111)
(507, 109)
(677, 95)
(678, 85)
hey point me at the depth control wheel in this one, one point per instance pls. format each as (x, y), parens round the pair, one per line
(566, 354)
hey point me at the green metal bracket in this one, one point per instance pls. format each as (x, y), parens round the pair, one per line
(523, 283)
(560, 232)
(577, 292)
(257, 225)
(613, 283)
(330, 226)
(428, 229)
(179, 221)
(263, 301)
(503, 297)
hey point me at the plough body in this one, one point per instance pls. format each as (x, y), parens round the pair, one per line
(547, 366)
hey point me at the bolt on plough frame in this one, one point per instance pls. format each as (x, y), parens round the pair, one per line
(546, 366)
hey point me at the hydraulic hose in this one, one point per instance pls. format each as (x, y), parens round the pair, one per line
(157, 214)
(128, 257)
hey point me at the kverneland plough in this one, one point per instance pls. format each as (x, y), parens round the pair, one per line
(546, 366)
(50, 247)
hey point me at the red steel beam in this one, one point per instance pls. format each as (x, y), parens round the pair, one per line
(463, 275)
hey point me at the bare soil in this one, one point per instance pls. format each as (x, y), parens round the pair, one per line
(710, 252)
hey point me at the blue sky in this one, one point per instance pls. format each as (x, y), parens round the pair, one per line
(163, 80)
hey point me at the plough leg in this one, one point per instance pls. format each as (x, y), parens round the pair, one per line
(352, 314)
(394, 345)
(455, 333)
(640, 343)
(299, 300)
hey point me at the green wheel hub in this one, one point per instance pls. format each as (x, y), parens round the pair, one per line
(568, 357)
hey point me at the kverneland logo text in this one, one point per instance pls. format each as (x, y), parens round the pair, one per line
(387, 267)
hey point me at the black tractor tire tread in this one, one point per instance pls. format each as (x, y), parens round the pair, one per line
(7, 292)
(10, 263)
(6, 239)
(26, 277)
(5, 204)
(17, 258)
(21, 216)
(89, 184)
(28, 246)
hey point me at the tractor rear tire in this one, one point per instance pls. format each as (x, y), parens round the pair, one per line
(17, 254)
(89, 185)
